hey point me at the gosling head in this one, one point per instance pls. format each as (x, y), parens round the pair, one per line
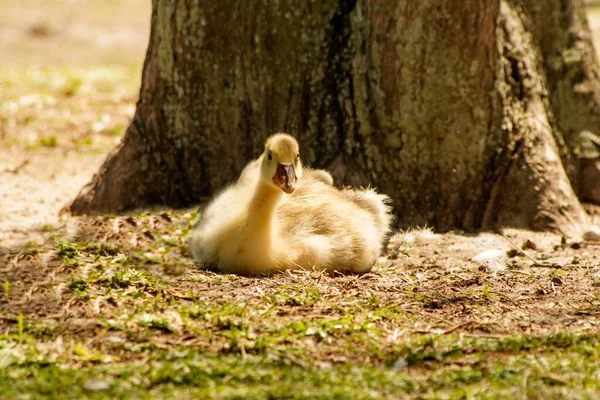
(281, 165)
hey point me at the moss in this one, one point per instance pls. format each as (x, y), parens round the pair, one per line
(164, 11)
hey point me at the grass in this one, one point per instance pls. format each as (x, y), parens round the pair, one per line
(121, 324)
(67, 107)
(438, 367)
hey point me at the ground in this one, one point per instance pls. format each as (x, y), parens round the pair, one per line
(113, 307)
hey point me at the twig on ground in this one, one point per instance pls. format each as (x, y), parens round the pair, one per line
(462, 325)
(536, 263)
(520, 250)
(15, 170)
(514, 271)
(541, 265)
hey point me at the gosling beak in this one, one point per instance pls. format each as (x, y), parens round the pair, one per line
(285, 177)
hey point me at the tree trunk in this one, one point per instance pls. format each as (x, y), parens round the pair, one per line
(560, 28)
(446, 111)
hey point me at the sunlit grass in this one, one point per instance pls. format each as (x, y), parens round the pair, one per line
(548, 367)
(147, 322)
(67, 106)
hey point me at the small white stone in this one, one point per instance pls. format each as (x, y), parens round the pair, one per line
(95, 385)
(115, 339)
(400, 364)
(494, 258)
(490, 255)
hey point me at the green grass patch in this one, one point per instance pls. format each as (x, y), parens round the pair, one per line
(554, 366)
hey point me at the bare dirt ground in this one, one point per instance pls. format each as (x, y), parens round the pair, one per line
(75, 32)
(116, 304)
(68, 82)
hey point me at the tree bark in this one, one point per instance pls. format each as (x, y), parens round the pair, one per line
(446, 111)
(535, 190)
(561, 29)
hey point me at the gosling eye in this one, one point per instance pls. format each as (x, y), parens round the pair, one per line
(298, 155)
(269, 156)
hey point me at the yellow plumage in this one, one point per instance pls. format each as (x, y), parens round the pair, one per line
(279, 215)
